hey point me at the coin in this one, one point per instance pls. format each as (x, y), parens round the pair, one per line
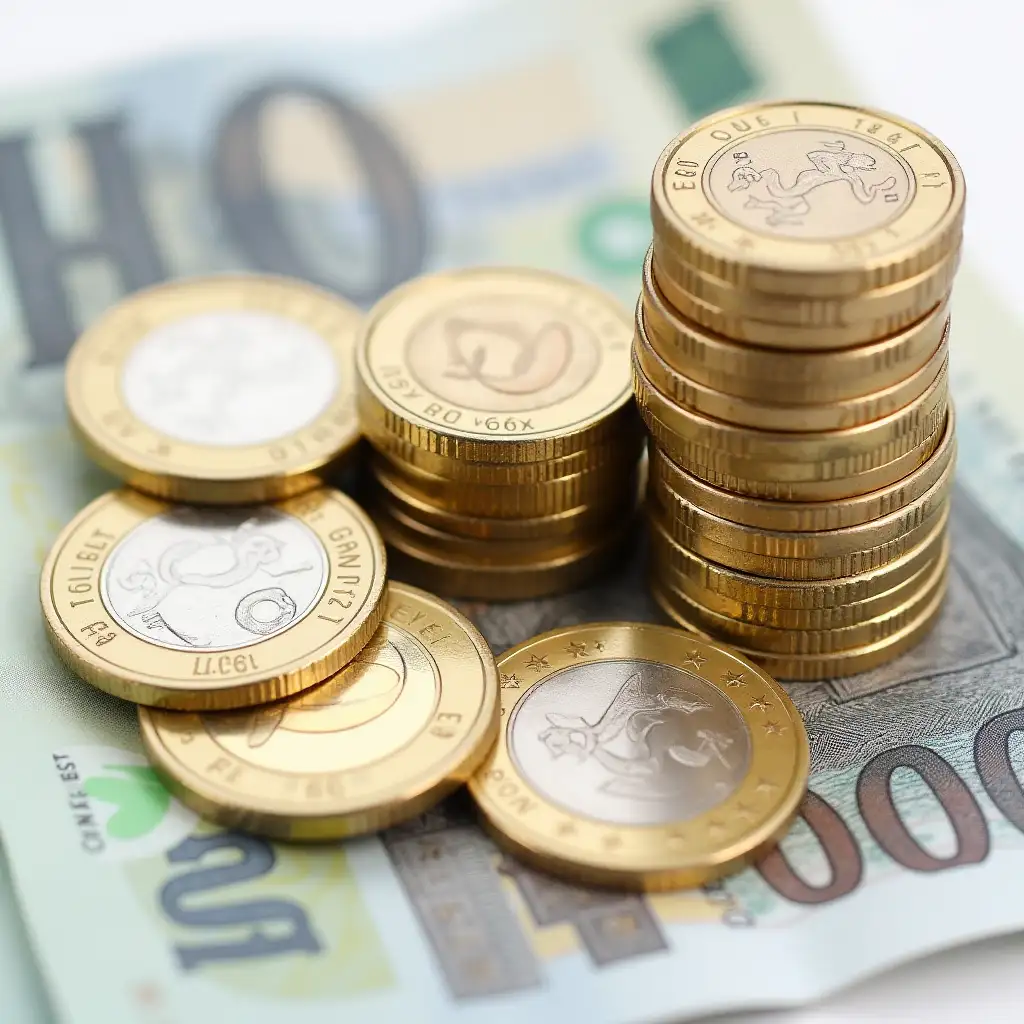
(806, 323)
(676, 562)
(774, 640)
(716, 781)
(808, 199)
(206, 608)
(785, 554)
(218, 390)
(669, 479)
(495, 365)
(774, 416)
(799, 377)
(383, 740)
(810, 667)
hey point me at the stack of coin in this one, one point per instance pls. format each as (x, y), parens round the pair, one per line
(507, 445)
(790, 362)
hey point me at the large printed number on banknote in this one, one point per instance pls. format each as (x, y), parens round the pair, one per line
(247, 206)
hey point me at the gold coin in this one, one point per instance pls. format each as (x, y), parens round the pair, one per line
(497, 571)
(382, 741)
(675, 562)
(774, 640)
(583, 519)
(775, 416)
(204, 608)
(802, 555)
(808, 199)
(505, 501)
(826, 617)
(726, 767)
(812, 667)
(805, 323)
(495, 365)
(675, 483)
(218, 390)
(797, 377)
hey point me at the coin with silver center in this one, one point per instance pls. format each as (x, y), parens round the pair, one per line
(197, 607)
(639, 756)
(402, 725)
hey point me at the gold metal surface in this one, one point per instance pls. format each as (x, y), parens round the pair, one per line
(383, 740)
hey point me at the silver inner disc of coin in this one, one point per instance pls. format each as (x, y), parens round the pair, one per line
(817, 184)
(214, 579)
(229, 378)
(629, 742)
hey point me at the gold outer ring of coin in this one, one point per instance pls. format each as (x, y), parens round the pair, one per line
(583, 519)
(294, 788)
(504, 501)
(676, 562)
(924, 231)
(772, 551)
(828, 617)
(833, 452)
(418, 560)
(813, 516)
(167, 467)
(773, 640)
(394, 401)
(804, 324)
(815, 667)
(585, 849)
(797, 377)
(608, 457)
(773, 416)
(95, 644)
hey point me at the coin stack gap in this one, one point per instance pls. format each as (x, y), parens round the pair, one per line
(790, 363)
(507, 449)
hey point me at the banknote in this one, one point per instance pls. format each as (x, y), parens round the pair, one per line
(525, 135)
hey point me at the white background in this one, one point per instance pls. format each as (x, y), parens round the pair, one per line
(956, 65)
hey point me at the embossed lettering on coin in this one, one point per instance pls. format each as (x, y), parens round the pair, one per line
(502, 354)
(813, 183)
(629, 742)
(205, 579)
(228, 378)
(374, 707)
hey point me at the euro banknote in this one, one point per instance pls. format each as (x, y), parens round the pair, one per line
(525, 134)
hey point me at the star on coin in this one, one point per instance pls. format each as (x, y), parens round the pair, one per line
(696, 659)
(509, 682)
(761, 704)
(774, 728)
(599, 646)
(537, 664)
(716, 828)
(677, 841)
(566, 828)
(733, 678)
(576, 649)
(765, 786)
(743, 811)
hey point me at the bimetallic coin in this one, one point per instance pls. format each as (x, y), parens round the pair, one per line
(495, 365)
(383, 740)
(673, 483)
(640, 757)
(802, 377)
(218, 390)
(808, 199)
(202, 608)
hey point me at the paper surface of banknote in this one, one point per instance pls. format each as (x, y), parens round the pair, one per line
(526, 135)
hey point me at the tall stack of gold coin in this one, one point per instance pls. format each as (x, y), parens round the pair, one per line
(790, 362)
(507, 445)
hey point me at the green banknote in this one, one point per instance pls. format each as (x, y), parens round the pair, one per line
(524, 135)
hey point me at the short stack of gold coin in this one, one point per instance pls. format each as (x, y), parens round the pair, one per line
(506, 444)
(790, 363)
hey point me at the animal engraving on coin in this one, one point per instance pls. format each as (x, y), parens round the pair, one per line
(213, 580)
(644, 743)
(229, 378)
(369, 710)
(502, 355)
(817, 184)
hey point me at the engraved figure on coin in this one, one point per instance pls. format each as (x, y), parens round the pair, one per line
(637, 711)
(833, 163)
